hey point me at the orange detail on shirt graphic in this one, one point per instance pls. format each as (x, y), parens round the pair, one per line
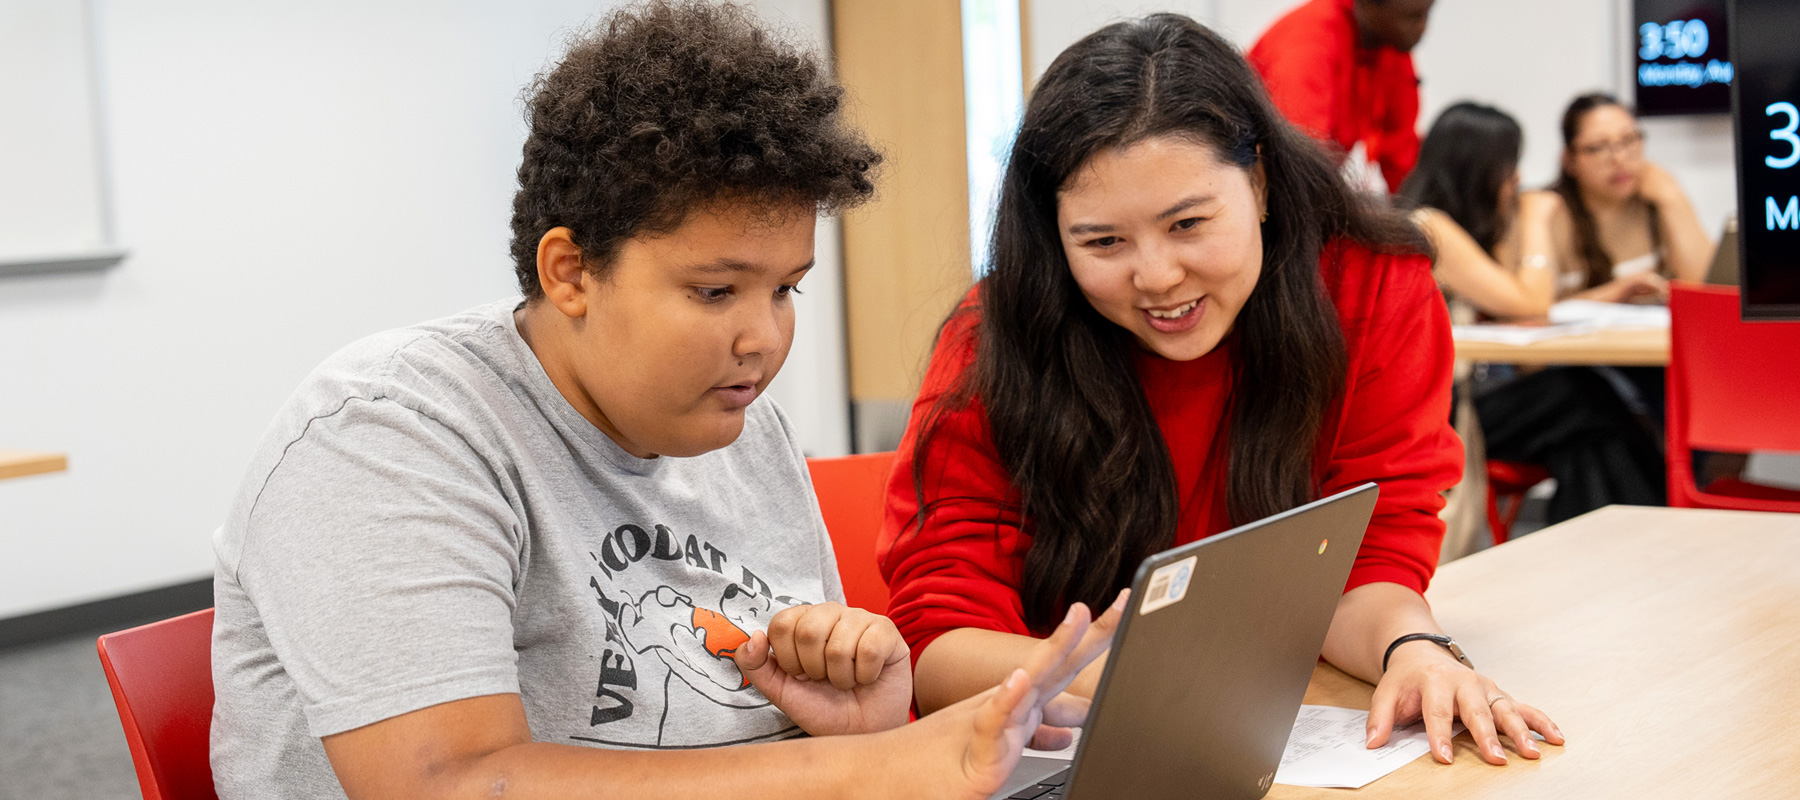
(722, 637)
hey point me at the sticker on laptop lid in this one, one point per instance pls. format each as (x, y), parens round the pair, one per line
(1168, 584)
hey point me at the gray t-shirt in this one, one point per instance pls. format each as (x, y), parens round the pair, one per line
(429, 520)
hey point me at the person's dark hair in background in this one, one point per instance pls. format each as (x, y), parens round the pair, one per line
(1469, 157)
(1464, 194)
(1587, 235)
(1088, 460)
(643, 121)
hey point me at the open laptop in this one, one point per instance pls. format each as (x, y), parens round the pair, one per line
(1211, 661)
(1724, 268)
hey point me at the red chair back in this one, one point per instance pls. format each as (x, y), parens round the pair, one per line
(1733, 386)
(852, 493)
(161, 678)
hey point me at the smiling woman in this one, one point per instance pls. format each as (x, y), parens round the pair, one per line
(1191, 323)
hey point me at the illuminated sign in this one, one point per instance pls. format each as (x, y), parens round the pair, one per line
(1767, 121)
(1683, 59)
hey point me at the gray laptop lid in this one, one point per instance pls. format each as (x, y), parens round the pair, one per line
(1724, 268)
(1214, 654)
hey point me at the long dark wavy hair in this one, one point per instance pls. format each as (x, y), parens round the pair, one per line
(1067, 413)
(1470, 154)
(1598, 262)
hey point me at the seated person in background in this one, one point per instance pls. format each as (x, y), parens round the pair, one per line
(1618, 227)
(1465, 196)
(1623, 226)
(1342, 71)
(562, 547)
(1191, 322)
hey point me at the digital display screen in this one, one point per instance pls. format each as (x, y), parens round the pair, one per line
(1766, 114)
(1683, 57)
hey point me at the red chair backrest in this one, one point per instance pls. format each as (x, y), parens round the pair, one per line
(1733, 386)
(161, 678)
(852, 494)
(1737, 383)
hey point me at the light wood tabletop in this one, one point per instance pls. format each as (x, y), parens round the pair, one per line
(1632, 347)
(19, 463)
(1664, 642)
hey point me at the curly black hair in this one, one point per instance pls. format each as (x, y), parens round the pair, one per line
(667, 105)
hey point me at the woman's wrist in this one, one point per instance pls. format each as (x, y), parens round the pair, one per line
(1420, 653)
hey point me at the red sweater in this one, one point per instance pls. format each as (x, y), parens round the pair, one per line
(1392, 426)
(1324, 81)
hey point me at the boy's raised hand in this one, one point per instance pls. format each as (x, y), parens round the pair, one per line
(967, 750)
(832, 669)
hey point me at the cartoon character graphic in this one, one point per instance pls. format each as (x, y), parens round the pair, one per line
(696, 643)
(662, 635)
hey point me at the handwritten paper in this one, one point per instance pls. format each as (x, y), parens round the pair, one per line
(1328, 749)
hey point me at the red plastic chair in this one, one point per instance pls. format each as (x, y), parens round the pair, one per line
(161, 678)
(1733, 386)
(1509, 481)
(852, 492)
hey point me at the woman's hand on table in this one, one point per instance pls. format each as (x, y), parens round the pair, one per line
(1630, 287)
(1424, 681)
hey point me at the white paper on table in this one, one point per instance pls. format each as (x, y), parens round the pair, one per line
(1329, 749)
(1610, 315)
(1518, 334)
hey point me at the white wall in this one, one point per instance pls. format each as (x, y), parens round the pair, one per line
(288, 177)
(50, 195)
(1055, 24)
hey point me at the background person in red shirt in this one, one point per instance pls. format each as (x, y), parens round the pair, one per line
(1342, 70)
(1190, 323)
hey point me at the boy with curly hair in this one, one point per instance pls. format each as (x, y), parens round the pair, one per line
(561, 546)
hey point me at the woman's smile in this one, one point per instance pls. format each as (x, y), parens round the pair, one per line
(1177, 319)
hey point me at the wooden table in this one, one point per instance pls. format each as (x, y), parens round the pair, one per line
(1639, 347)
(19, 463)
(1664, 642)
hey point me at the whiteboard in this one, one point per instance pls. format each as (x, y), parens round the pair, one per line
(52, 179)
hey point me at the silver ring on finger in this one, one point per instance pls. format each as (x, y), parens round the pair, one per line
(1495, 699)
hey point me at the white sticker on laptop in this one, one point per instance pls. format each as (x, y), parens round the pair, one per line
(1168, 584)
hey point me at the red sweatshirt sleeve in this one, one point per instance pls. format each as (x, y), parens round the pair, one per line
(961, 568)
(1302, 63)
(1394, 427)
(1399, 130)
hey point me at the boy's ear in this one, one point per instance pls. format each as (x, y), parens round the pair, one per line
(560, 272)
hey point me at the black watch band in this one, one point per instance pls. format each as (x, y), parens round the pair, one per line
(1446, 642)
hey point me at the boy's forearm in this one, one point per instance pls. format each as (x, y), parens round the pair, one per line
(797, 769)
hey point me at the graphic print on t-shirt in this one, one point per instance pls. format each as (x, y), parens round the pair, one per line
(675, 611)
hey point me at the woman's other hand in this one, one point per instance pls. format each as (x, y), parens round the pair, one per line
(1631, 287)
(1424, 681)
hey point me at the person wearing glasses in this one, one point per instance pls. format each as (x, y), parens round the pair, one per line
(1622, 226)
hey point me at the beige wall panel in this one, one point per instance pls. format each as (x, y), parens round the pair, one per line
(906, 255)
